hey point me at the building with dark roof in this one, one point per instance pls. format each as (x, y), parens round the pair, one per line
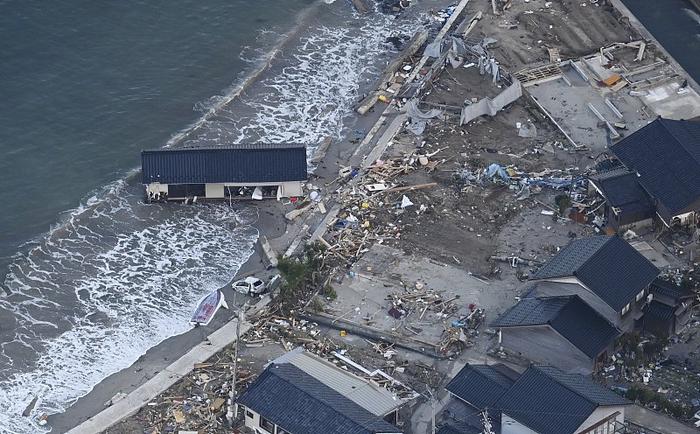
(545, 400)
(562, 331)
(480, 386)
(300, 393)
(665, 154)
(542, 400)
(257, 171)
(627, 204)
(668, 309)
(605, 272)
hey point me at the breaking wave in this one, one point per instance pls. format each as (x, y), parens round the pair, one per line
(117, 277)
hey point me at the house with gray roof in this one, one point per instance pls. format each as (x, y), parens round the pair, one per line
(541, 400)
(669, 309)
(545, 400)
(562, 331)
(300, 393)
(665, 157)
(605, 272)
(627, 205)
(246, 171)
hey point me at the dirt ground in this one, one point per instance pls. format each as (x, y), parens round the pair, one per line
(527, 29)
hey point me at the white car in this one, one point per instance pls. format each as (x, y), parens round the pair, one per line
(249, 286)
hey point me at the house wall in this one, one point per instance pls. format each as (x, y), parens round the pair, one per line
(216, 191)
(254, 422)
(512, 426)
(542, 344)
(586, 295)
(599, 414)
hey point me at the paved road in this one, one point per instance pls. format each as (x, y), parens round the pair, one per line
(656, 421)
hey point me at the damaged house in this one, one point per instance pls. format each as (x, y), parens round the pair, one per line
(562, 331)
(669, 308)
(627, 205)
(542, 400)
(255, 171)
(605, 272)
(663, 158)
(300, 393)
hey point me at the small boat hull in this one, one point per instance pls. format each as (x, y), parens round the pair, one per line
(207, 308)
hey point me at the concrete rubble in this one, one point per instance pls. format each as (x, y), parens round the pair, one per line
(478, 175)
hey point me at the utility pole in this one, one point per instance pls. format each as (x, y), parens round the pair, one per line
(239, 319)
(432, 406)
(486, 422)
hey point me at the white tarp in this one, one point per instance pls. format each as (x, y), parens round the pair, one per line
(419, 118)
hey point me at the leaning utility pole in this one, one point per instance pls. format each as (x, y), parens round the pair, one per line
(239, 319)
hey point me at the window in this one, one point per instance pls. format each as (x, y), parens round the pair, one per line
(267, 425)
(626, 309)
(249, 414)
(281, 431)
(640, 295)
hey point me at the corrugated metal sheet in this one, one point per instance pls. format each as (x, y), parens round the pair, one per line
(240, 164)
(377, 400)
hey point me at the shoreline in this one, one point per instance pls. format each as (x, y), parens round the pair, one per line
(159, 357)
(278, 231)
(640, 28)
(272, 224)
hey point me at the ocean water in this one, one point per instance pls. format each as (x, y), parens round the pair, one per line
(93, 277)
(676, 25)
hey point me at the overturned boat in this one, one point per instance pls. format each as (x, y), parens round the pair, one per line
(207, 308)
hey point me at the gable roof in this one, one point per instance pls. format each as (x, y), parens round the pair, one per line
(622, 190)
(607, 265)
(299, 403)
(666, 154)
(671, 290)
(373, 398)
(570, 316)
(235, 164)
(550, 401)
(481, 385)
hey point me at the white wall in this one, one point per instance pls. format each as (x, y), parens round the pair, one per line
(599, 414)
(542, 344)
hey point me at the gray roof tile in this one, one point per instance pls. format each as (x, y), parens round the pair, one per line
(607, 265)
(666, 154)
(549, 401)
(481, 385)
(251, 163)
(300, 404)
(570, 316)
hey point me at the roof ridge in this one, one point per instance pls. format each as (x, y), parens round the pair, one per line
(566, 386)
(362, 423)
(583, 264)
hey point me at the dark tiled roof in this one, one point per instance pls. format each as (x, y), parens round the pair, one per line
(666, 153)
(455, 428)
(297, 402)
(549, 401)
(621, 189)
(569, 316)
(659, 310)
(670, 289)
(481, 385)
(607, 265)
(253, 163)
